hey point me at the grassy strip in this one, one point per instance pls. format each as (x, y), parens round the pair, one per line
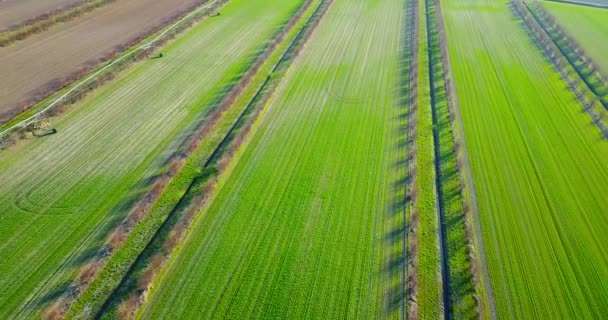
(47, 20)
(459, 276)
(104, 69)
(592, 104)
(187, 171)
(427, 302)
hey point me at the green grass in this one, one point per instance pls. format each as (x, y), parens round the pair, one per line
(429, 272)
(539, 169)
(300, 226)
(589, 26)
(61, 195)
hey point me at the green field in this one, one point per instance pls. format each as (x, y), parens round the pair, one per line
(303, 225)
(589, 26)
(61, 195)
(539, 169)
(313, 163)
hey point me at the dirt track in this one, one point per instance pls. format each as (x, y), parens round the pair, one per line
(16, 11)
(58, 52)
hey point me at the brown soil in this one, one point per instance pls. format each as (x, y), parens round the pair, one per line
(13, 12)
(29, 65)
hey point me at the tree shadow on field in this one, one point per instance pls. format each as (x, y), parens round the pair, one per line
(458, 288)
(397, 237)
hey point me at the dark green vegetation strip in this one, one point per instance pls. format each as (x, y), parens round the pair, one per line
(459, 289)
(427, 280)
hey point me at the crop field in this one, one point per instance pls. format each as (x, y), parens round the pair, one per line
(61, 195)
(292, 159)
(588, 25)
(539, 168)
(319, 249)
(45, 59)
(13, 12)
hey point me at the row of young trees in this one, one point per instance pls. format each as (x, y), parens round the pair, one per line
(575, 79)
(459, 152)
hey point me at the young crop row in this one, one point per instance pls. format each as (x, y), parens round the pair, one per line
(52, 99)
(157, 206)
(459, 265)
(575, 67)
(46, 20)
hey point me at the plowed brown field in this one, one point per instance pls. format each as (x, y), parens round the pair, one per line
(29, 65)
(16, 11)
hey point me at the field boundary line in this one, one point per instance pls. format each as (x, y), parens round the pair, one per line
(130, 53)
